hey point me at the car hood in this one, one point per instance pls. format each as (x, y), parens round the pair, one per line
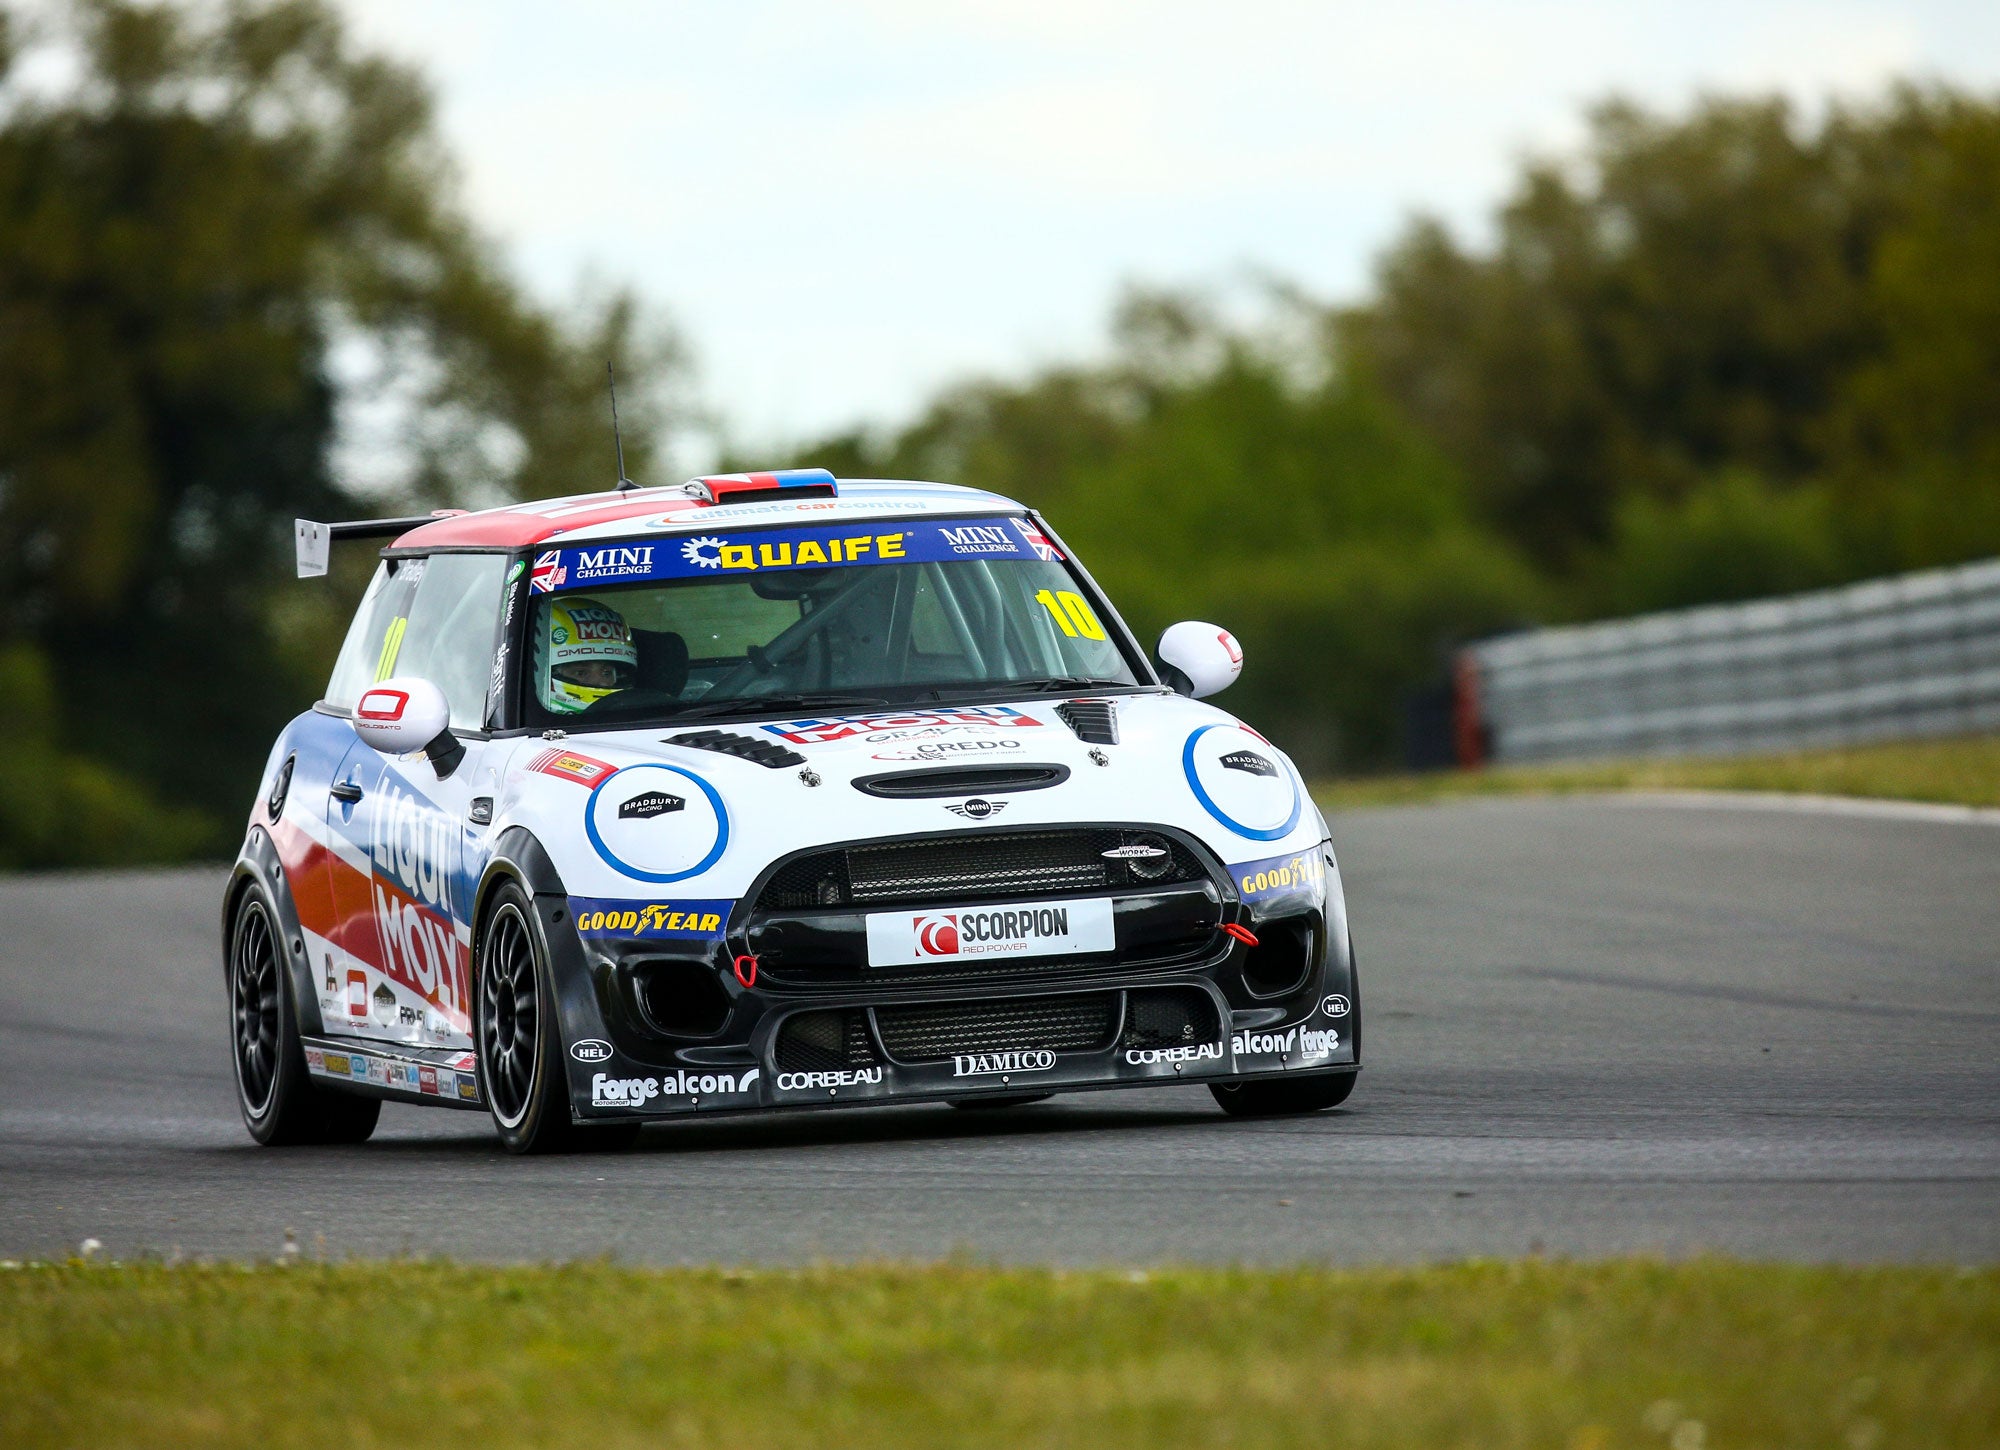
(701, 811)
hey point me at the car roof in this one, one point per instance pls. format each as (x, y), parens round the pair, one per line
(613, 514)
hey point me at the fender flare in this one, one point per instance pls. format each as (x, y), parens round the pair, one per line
(258, 862)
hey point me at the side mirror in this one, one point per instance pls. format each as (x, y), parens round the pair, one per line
(1199, 659)
(407, 713)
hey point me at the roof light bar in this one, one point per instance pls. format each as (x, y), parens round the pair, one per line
(745, 487)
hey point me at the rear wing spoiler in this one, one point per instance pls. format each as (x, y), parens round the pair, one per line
(314, 542)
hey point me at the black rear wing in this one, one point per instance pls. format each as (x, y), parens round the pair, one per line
(314, 542)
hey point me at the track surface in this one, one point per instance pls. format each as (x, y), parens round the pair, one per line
(1593, 1026)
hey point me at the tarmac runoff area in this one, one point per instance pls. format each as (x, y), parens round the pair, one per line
(1592, 1026)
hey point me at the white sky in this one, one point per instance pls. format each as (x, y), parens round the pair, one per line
(846, 205)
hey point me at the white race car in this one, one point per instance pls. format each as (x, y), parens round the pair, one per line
(769, 791)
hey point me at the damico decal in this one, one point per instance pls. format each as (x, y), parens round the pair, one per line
(635, 1092)
(897, 938)
(1301, 874)
(1149, 1056)
(852, 1077)
(984, 1064)
(1308, 1046)
(600, 918)
(844, 727)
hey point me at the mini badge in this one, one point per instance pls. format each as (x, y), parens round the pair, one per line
(976, 810)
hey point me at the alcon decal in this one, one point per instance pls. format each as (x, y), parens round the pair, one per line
(1309, 1045)
(607, 1091)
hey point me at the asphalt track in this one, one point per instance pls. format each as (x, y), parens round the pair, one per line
(1593, 1026)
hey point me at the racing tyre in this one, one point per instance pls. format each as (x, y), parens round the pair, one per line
(520, 1049)
(1272, 1099)
(280, 1105)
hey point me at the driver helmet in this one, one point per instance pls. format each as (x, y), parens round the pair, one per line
(587, 654)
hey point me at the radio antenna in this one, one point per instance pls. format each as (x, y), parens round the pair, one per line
(624, 484)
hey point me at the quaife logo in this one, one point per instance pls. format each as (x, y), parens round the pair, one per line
(981, 1064)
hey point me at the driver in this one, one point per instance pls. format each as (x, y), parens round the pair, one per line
(587, 654)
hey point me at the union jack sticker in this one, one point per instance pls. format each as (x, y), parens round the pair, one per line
(547, 573)
(1038, 541)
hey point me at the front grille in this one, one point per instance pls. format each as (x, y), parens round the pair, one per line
(935, 1031)
(1170, 1017)
(967, 867)
(823, 1041)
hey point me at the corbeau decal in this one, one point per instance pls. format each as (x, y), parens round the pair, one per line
(1148, 1056)
(598, 918)
(852, 1077)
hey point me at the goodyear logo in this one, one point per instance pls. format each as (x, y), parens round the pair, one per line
(1301, 874)
(684, 919)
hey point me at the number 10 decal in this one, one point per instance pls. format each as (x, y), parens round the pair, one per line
(1070, 613)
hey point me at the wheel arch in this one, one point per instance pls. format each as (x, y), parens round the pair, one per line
(258, 864)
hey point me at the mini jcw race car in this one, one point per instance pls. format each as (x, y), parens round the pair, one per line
(769, 791)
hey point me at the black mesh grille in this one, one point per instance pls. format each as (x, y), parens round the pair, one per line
(820, 1041)
(970, 867)
(1170, 1017)
(938, 1030)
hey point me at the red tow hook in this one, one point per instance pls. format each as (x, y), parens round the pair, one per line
(1241, 933)
(747, 975)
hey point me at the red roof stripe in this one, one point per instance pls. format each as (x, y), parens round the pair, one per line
(511, 529)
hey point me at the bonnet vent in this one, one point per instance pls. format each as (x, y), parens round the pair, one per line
(767, 753)
(1093, 720)
(961, 781)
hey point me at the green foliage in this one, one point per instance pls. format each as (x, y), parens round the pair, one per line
(224, 195)
(1503, 1354)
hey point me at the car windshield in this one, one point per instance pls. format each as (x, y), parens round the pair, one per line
(783, 619)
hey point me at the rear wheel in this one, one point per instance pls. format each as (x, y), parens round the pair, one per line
(279, 1103)
(520, 1045)
(1282, 1096)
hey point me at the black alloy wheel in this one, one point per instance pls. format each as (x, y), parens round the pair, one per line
(279, 1102)
(520, 1044)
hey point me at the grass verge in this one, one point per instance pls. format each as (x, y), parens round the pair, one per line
(1690, 1356)
(1963, 771)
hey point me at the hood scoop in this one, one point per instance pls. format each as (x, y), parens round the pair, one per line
(1094, 721)
(963, 780)
(767, 753)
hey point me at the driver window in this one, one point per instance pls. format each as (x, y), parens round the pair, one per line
(452, 630)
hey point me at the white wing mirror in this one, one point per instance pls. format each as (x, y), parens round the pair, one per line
(1199, 659)
(407, 713)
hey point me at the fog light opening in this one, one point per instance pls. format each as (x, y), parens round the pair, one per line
(681, 998)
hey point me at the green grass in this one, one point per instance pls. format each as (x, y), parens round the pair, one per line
(1701, 1355)
(1963, 771)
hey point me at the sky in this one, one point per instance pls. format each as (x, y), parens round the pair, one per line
(844, 207)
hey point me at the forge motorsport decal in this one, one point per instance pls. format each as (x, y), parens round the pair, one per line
(824, 546)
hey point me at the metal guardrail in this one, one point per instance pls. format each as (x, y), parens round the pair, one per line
(1909, 656)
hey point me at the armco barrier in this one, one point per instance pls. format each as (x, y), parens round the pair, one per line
(1914, 655)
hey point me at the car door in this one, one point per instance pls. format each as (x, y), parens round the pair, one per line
(403, 896)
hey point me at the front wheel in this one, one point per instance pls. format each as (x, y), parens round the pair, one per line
(520, 1045)
(1280, 1097)
(280, 1105)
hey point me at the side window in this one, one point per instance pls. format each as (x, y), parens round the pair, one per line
(377, 632)
(451, 629)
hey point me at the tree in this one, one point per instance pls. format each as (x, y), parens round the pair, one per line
(226, 194)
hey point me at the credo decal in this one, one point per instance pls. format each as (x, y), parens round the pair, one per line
(949, 749)
(898, 938)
